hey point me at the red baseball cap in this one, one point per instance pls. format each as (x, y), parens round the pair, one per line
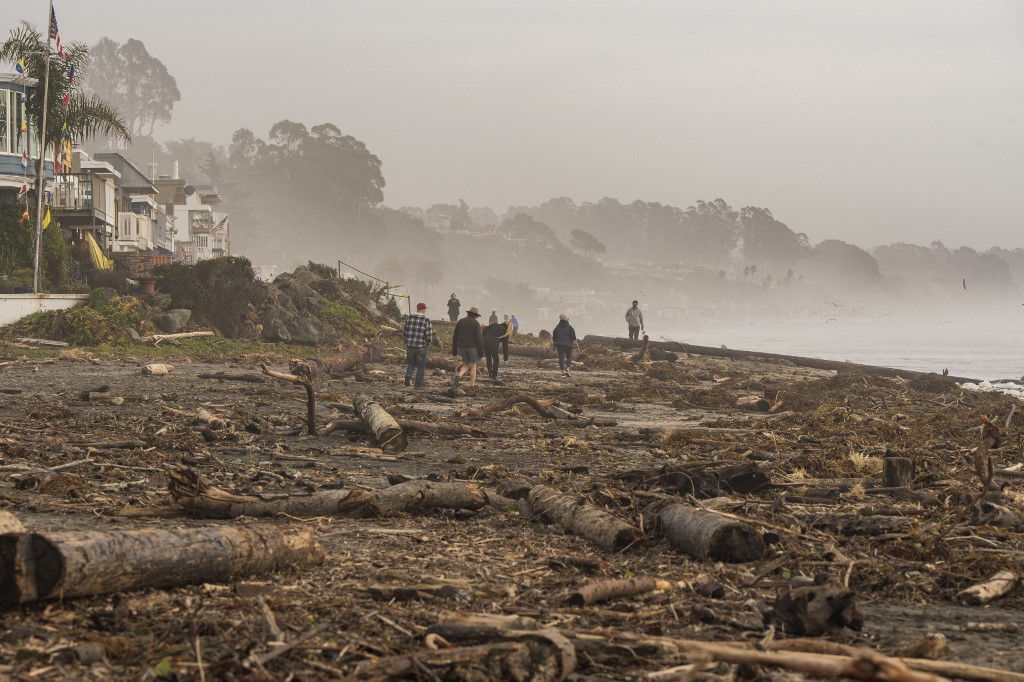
(421, 306)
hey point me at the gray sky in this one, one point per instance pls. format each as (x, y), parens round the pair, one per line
(870, 121)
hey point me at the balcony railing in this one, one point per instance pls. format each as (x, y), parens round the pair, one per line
(73, 192)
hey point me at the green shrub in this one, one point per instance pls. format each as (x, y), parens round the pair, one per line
(97, 321)
(222, 292)
(344, 320)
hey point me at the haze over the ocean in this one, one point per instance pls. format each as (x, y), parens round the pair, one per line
(872, 121)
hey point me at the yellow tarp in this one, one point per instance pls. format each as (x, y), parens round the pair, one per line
(98, 259)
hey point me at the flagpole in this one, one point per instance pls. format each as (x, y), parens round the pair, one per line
(37, 282)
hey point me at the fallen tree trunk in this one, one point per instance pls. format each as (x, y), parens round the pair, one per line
(385, 429)
(423, 494)
(799, 361)
(157, 338)
(602, 647)
(79, 563)
(224, 376)
(500, 405)
(708, 536)
(439, 429)
(209, 502)
(582, 519)
(531, 351)
(603, 590)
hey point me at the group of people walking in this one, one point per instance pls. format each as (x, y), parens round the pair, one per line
(472, 341)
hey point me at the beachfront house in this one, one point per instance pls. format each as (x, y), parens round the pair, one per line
(84, 201)
(143, 234)
(19, 140)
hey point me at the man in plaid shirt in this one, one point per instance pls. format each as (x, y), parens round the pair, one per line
(418, 333)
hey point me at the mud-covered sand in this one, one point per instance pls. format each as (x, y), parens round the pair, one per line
(821, 447)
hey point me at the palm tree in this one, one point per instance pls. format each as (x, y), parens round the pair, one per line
(86, 116)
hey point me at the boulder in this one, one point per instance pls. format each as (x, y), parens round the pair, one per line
(275, 326)
(304, 332)
(173, 321)
(158, 301)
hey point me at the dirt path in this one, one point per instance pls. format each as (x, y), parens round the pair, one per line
(827, 431)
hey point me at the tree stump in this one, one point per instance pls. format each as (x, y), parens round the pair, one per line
(897, 472)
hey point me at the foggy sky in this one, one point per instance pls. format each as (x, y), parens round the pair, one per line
(871, 122)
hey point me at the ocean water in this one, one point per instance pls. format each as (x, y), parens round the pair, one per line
(985, 347)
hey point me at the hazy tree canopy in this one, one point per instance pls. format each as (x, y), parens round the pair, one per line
(586, 242)
(768, 242)
(311, 188)
(522, 226)
(712, 232)
(86, 116)
(840, 267)
(134, 82)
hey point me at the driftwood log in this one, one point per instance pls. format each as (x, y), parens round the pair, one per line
(506, 403)
(224, 376)
(155, 339)
(815, 363)
(205, 501)
(423, 494)
(999, 585)
(753, 402)
(708, 536)
(581, 518)
(36, 566)
(305, 378)
(603, 590)
(531, 351)
(439, 429)
(386, 431)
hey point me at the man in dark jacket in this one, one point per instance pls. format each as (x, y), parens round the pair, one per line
(453, 308)
(494, 335)
(563, 336)
(468, 344)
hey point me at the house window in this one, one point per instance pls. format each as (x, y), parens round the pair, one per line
(5, 138)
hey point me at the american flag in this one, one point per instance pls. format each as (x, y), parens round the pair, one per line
(55, 34)
(220, 226)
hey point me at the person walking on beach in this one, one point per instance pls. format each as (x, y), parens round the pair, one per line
(468, 344)
(495, 335)
(493, 319)
(515, 324)
(635, 320)
(453, 308)
(418, 334)
(504, 340)
(563, 336)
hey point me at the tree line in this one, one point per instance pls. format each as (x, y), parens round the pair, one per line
(305, 192)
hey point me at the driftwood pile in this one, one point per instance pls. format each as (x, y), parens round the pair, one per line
(565, 539)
